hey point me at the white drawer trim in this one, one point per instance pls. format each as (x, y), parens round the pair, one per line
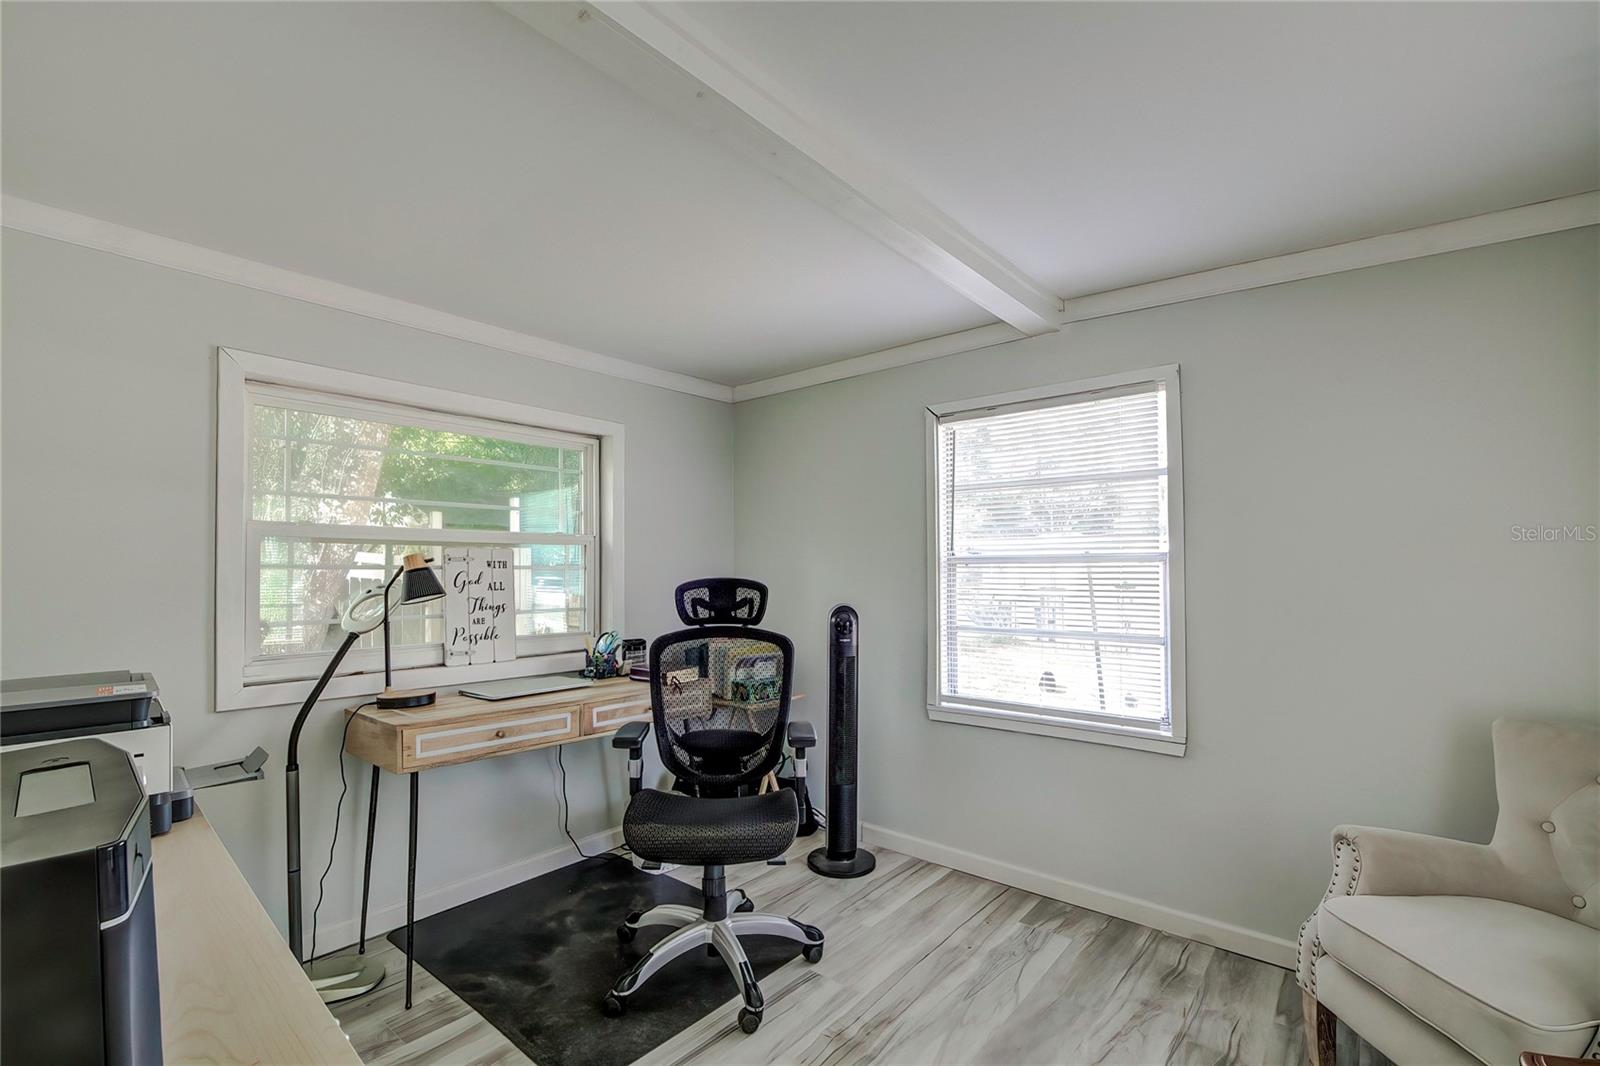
(562, 717)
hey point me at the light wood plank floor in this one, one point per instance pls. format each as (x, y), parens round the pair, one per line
(924, 964)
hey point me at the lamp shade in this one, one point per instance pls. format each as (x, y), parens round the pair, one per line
(418, 582)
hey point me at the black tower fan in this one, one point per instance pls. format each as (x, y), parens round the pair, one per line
(841, 858)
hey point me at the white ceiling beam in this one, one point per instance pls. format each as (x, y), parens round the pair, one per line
(676, 64)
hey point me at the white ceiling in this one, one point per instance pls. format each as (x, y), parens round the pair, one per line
(452, 156)
(1099, 145)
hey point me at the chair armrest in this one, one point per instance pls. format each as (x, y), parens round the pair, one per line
(631, 736)
(1391, 862)
(802, 735)
(1369, 861)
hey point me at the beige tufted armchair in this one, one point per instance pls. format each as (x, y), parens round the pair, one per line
(1440, 951)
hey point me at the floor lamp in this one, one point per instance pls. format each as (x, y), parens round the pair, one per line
(343, 977)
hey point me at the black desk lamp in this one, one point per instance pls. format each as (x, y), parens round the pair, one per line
(418, 584)
(346, 976)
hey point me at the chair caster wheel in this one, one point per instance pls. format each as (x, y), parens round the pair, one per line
(749, 1020)
(626, 933)
(812, 952)
(746, 907)
(613, 1005)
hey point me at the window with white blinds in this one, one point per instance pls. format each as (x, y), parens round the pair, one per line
(1057, 562)
(340, 490)
(327, 478)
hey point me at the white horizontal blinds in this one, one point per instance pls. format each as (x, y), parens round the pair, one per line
(305, 583)
(1053, 557)
(341, 490)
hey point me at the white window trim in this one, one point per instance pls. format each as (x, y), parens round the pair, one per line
(239, 369)
(1021, 720)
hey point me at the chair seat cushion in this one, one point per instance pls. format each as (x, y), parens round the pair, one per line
(1497, 978)
(671, 827)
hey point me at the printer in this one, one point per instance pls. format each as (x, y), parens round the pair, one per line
(77, 903)
(122, 708)
(87, 776)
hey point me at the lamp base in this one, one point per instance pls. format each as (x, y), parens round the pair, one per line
(391, 698)
(344, 977)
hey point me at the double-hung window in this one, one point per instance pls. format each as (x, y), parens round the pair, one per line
(335, 489)
(1056, 553)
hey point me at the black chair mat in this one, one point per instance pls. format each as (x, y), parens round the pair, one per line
(536, 958)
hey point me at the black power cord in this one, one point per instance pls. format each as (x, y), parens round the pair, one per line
(566, 811)
(344, 787)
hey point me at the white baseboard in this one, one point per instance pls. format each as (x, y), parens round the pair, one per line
(1276, 950)
(380, 920)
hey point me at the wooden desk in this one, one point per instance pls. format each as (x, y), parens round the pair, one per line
(230, 989)
(458, 729)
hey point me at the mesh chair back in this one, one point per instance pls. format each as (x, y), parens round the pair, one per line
(720, 692)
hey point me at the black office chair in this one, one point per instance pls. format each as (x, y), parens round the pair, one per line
(720, 704)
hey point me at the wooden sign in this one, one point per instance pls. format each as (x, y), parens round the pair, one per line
(480, 607)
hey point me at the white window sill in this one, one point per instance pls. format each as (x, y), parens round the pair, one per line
(1045, 725)
(446, 679)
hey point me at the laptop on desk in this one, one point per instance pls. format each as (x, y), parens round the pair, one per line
(515, 687)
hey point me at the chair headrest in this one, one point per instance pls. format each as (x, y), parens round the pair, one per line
(721, 601)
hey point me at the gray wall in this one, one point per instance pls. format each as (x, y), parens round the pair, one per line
(108, 468)
(1356, 450)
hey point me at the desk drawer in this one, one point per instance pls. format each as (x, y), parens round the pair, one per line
(605, 716)
(434, 745)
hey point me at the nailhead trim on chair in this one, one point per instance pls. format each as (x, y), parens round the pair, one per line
(1307, 974)
(1300, 955)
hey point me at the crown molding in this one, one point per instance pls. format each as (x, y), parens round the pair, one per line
(1497, 227)
(968, 340)
(1532, 220)
(27, 216)
(1550, 216)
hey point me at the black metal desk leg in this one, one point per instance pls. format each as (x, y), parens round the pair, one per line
(411, 886)
(366, 870)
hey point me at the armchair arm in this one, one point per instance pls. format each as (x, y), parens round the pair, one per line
(802, 735)
(1391, 862)
(631, 736)
(1369, 861)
